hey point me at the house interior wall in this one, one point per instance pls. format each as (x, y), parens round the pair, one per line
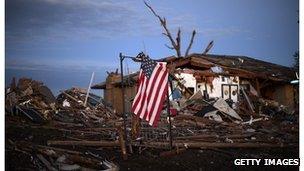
(188, 80)
(220, 84)
(214, 89)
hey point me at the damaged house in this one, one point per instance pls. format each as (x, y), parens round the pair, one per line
(214, 76)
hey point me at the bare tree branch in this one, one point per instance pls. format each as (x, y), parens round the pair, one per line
(210, 45)
(190, 44)
(178, 40)
(169, 47)
(163, 22)
(165, 34)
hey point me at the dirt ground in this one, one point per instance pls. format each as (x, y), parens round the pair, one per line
(149, 159)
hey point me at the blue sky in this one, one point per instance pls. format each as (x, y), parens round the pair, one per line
(87, 35)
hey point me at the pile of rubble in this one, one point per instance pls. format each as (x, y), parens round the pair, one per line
(248, 106)
(72, 108)
(73, 115)
(55, 126)
(34, 100)
(30, 97)
(218, 123)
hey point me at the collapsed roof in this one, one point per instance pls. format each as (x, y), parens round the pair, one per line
(235, 65)
(242, 66)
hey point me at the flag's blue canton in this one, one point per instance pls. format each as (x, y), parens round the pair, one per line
(148, 66)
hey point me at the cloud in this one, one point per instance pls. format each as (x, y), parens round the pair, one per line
(54, 65)
(150, 25)
(53, 20)
(37, 20)
(222, 32)
(43, 25)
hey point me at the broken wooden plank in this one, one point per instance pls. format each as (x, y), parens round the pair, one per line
(248, 100)
(58, 149)
(213, 145)
(251, 121)
(46, 163)
(76, 158)
(71, 97)
(85, 143)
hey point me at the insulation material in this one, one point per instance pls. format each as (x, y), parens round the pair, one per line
(65, 103)
(217, 69)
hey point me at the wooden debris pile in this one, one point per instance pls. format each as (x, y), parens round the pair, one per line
(30, 96)
(74, 135)
(219, 123)
(71, 108)
(200, 132)
(35, 123)
(35, 101)
(53, 158)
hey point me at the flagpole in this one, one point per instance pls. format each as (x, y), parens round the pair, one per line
(124, 114)
(169, 115)
(121, 57)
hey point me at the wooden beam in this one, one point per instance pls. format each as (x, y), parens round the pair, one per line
(180, 62)
(248, 101)
(85, 143)
(213, 145)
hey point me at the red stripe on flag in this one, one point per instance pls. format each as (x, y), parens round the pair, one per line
(143, 100)
(142, 96)
(155, 85)
(151, 94)
(159, 102)
(154, 100)
(165, 94)
(150, 87)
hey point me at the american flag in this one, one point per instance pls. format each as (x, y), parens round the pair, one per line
(152, 90)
